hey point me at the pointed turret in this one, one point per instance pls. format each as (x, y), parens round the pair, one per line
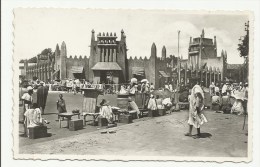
(203, 33)
(153, 51)
(222, 52)
(57, 50)
(92, 35)
(163, 53)
(63, 56)
(122, 35)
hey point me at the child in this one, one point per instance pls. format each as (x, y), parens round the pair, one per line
(61, 105)
(152, 106)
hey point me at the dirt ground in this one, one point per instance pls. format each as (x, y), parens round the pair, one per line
(222, 136)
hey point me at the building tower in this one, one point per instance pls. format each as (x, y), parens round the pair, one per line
(63, 56)
(107, 61)
(201, 48)
(163, 53)
(152, 66)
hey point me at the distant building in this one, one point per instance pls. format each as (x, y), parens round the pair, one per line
(203, 63)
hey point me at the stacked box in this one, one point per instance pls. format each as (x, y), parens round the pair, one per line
(125, 119)
(215, 107)
(152, 113)
(37, 132)
(102, 121)
(161, 112)
(76, 124)
(133, 114)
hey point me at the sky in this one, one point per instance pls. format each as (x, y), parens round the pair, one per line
(37, 29)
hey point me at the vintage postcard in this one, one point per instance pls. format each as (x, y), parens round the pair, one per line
(99, 84)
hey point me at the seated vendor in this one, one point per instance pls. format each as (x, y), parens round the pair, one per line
(33, 118)
(159, 102)
(61, 105)
(226, 103)
(106, 111)
(216, 102)
(167, 102)
(133, 106)
(152, 104)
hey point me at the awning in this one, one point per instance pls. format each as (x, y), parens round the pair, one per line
(55, 72)
(76, 69)
(164, 74)
(107, 66)
(138, 71)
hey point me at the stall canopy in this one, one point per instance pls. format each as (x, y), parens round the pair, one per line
(76, 69)
(138, 71)
(109, 66)
(164, 74)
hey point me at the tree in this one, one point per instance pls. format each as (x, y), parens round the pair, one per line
(47, 53)
(243, 46)
(32, 60)
(243, 49)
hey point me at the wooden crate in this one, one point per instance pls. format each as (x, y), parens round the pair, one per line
(161, 112)
(76, 124)
(152, 113)
(125, 119)
(37, 132)
(102, 121)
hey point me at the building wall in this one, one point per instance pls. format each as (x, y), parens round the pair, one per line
(77, 61)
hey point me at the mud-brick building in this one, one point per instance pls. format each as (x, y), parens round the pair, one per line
(203, 65)
(107, 63)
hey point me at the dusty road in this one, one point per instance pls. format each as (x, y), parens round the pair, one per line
(222, 137)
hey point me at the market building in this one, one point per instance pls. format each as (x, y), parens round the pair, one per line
(108, 63)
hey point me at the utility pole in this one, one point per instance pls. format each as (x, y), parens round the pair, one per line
(179, 63)
(246, 56)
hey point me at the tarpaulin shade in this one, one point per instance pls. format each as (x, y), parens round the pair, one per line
(107, 66)
(76, 69)
(138, 71)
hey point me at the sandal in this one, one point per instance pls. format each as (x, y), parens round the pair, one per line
(187, 134)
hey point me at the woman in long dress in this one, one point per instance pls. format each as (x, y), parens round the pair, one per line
(196, 117)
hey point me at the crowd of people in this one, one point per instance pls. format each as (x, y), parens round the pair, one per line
(226, 98)
(231, 98)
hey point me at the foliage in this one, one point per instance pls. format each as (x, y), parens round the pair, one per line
(243, 47)
(47, 52)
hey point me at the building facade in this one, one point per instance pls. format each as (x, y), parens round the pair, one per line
(108, 63)
(203, 64)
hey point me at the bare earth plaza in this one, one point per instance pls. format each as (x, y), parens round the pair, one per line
(177, 86)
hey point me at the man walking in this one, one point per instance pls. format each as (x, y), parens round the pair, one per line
(42, 93)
